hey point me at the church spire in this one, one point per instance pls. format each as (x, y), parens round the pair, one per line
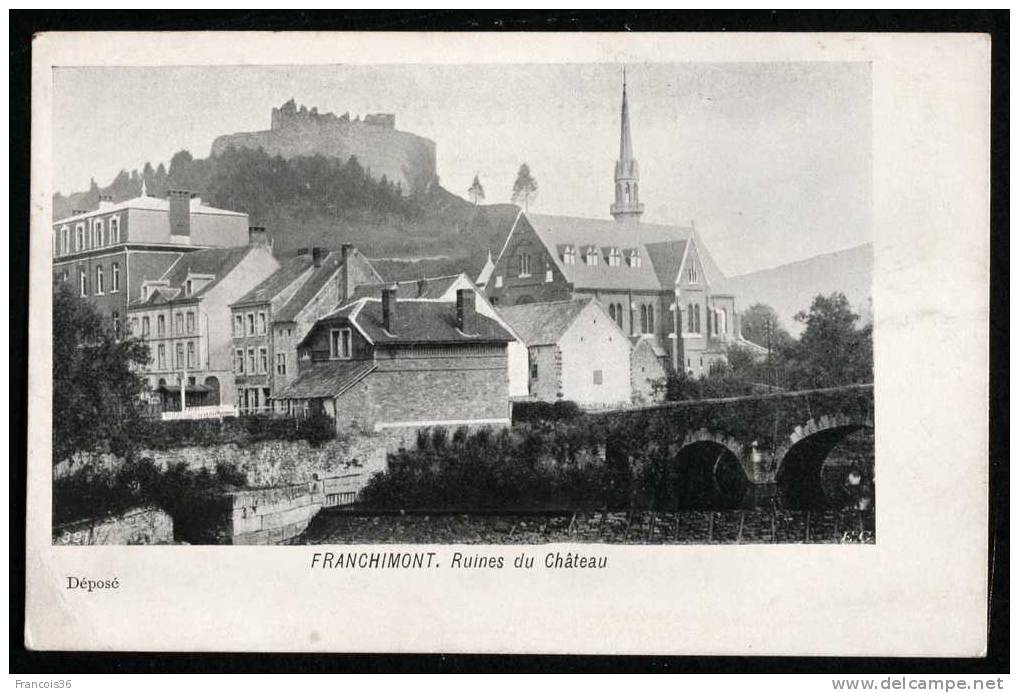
(627, 206)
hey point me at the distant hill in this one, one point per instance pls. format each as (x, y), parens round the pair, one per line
(790, 288)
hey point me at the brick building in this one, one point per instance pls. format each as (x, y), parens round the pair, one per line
(657, 282)
(445, 289)
(270, 320)
(110, 251)
(575, 352)
(183, 317)
(398, 365)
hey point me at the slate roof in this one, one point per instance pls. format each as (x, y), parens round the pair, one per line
(314, 283)
(289, 272)
(217, 262)
(667, 257)
(325, 379)
(543, 323)
(418, 322)
(155, 204)
(428, 288)
(556, 232)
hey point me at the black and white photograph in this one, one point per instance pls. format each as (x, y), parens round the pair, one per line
(338, 340)
(595, 303)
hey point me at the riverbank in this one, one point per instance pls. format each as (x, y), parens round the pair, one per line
(686, 527)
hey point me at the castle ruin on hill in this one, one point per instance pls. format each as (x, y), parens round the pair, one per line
(402, 157)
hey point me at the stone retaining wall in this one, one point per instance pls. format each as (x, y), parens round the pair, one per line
(145, 525)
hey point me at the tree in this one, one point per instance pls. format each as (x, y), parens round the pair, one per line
(96, 387)
(525, 185)
(760, 324)
(831, 351)
(476, 191)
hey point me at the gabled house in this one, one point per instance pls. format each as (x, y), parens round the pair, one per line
(270, 320)
(445, 289)
(575, 352)
(389, 364)
(182, 317)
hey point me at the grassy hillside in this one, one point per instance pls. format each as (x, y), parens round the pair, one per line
(307, 201)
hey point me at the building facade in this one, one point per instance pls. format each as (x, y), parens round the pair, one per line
(270, 320)
(657, 282)
(107, 253)
(183, 317)
(575, 352)
(386, 364)
(446, 289)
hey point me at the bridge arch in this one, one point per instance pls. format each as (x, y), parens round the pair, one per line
(802, 455)
(707, 469)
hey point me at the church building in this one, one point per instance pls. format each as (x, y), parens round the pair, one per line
(657, 282)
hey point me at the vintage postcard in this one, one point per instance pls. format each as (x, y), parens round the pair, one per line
(656, 341)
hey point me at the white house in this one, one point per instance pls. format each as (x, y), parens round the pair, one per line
(575, 352)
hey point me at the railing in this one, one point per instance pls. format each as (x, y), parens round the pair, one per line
(215, 411)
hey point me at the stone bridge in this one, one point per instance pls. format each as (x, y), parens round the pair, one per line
(774, 437)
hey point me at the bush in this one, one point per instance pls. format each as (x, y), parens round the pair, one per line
(244, 430)
(194, 499)
(546, 412)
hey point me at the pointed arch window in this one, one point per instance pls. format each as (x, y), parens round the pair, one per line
(643, 319)
(612, 311)
(650, 319)
(697, 318)
(689, 318)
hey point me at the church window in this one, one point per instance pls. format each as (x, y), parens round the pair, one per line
(619, 314)
(612, 311)
(689, 318)
(525, 265)
(725, 320)
(643, 320)
(650, 319)
(697, 318)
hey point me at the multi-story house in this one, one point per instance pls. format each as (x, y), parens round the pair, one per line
(109, 252)
(399, 365)
(184, 318)
(270, 320)
(655, 281)
(445, 289)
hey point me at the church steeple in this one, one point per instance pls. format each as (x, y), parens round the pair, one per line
(627, 206)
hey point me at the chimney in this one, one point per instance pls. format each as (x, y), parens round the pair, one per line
(317, 254)
(346, 281)
(389, 309)
(257, 235)
(422, 285)
(466, 315)
(180, 212)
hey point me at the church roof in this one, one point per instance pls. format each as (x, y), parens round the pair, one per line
(556, 232)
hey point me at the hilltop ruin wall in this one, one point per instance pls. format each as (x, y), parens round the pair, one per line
(402, 157)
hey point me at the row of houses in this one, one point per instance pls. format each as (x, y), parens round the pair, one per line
(589, 310)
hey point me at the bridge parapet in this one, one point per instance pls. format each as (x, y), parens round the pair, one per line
(759, 430)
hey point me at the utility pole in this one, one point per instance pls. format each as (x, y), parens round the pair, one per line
(767, 331)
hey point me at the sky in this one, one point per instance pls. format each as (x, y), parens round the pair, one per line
(771, 161)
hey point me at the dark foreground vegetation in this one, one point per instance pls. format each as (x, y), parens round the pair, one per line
(643, 527)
